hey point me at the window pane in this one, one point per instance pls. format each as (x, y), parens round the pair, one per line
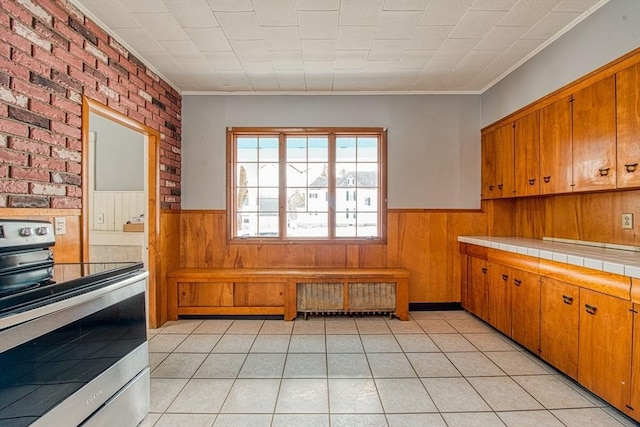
(247, 149)
(297, 174)
(367, 224)
(346, 175)
(367, 200)
(367, 175)
(268, 200)
(268, 149)
(247, 198)
(345, 149)
(268, 175)
(346, 223)
(296, 199)
(318, 175)
(247, 174)
(318, 149)
(308, 224)
(318, 200)
(247, 224)
(296, 149)
(367, 149)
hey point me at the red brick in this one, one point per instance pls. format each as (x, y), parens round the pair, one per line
(14, 40)
(64, 104)
(66, 203)
(4, 170)
(17, 12)
(92, 93)
(86, 57)
(14, 187)
(52, 36)
(87, 79)
(74, 144)
(135, 116)
(29, 63)
(40, 162)
(65, 130)
(74, 191)
(54, 8)
(66, 57)
(14, 128)
(30, 90)
(29, 174)
(14, 69)
(73, 167)
(73, 120)
(49, 59)
(63, 28)
(14, 158)
(98, 31)
(47, 189)
(48, 137)
(117, 106)
(47, 111)
(29, 146)
(136, 99)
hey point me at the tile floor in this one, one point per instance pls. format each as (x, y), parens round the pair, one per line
(442, 368)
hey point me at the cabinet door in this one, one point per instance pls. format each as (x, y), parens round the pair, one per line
(605, 346)
(628, 127)
(634, 410)
(559, 314)
(477, 287)
(527, 155)
(489, 189)
(525, 309)
(499, 298)
(555, 148)
(594, 137)
(504, 161)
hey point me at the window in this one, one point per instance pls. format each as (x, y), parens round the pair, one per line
(277, 178)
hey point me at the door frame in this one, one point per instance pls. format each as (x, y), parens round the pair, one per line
(153, 190)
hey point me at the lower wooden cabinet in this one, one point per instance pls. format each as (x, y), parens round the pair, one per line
(604, 364)
(633, 409)
(525, 309)
(559, 323)
(478, 273)
(499, 297)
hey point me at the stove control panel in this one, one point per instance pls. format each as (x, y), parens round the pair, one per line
(24, 234)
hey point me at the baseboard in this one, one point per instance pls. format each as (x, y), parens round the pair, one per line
(434, 306)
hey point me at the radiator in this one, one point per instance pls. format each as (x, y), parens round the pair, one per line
(361, 298)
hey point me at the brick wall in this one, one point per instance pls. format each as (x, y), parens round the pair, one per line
(51, 55)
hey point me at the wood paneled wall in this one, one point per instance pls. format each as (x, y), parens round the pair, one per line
(424, 242)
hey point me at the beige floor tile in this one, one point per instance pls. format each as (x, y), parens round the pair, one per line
(503, 394)
(309, 396)
(244, 420)
(300, 420)
(201, 396)
(470, 326)
(348, 366)
(263, 365)
(516, 363)
(183, 326)
(456, 314)
(360, 420)
(587, 417)
(529, 419)
(185, 420)
(252, 396)
(344, 344)
(201, 343)
(163, 391)
(372, 326)
(221, 365)
(349, 396)
(340, 326)
(380, 344)
(551, 392)
(179, 365)
(452, 342)
(422, 315)
(404, 395)
(454, 395)
(474, 364)
(265, 343)
(150, 420)
(242, 327)
(234, 344)
(307, 344)
(390, 365)
(432, 365)
(490, 342)
(305, 365)
(155, 359)
(436, 326)
(213, 326)
(312, 326)
(416, 343)
(415, 420)
(165, 343)
(472, 419)
(398, 326)
(276, 327)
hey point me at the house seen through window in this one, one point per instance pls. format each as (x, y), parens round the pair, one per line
(307, 184)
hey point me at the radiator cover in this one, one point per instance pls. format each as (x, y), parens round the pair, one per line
(346, 298)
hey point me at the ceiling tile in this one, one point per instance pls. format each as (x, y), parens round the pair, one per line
(504, 5)
(575, 5)
(250, 50)
(281, 38)
(144, 6)
(351, 59)
(318, 4)
(291, 80)
(233, 81)
(263, 82)
(209, 39)
(380, 67)
(182, 50)
(550, 25)
(230, 5)
(478, 60)
(318, 50)
(286, 60)
(415, 59)
(192, 13)
(319, 82)
(256, 67)
(355, 37)
(429, 37)
(500, 38)
(275, 13)
(140, 40)
(318, 67)
(361, 12)
(239, 25)
(476, 24)
(528, 12)
(114, 14)
(386, 50)
(402, 81)
(161, 26)
(223, 61)
(318, 25)
(397, 25)
(418, 5)
(445, 12)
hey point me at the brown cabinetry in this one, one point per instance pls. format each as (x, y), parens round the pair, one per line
(555, 147)
(527, 155)
(634, 408)
(489, 189)
(559, 322)
(499, 297)
(628, 127)
(604, 365)
(498, 163)
(477, 287)
(594, 136)
(525, 309)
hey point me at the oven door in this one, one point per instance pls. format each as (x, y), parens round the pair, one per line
(59, 368)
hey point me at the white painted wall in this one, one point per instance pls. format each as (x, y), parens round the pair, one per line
(433, 141)
(607, 34)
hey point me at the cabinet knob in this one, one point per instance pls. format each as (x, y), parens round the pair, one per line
(499, 186)
(517, 282)
(631, 167)
(590, 309)
(484, 270)
(567, 299)
(532, 181)
(491, 188)
(505, 277)
(604, 171)
(546, 178)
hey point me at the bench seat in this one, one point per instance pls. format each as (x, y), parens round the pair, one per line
(265, 291)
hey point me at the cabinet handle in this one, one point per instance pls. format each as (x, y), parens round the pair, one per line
(631, 167)
(604, 171)
(532, 181)
(567, 299)
(590, 309)
(484, 270)
(499, 186)
(491, 188)
(546, 178)
(517, 282)
(505, 277)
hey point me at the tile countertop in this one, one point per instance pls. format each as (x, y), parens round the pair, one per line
(598, 256)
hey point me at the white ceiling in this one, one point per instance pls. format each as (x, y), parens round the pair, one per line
(368, 46)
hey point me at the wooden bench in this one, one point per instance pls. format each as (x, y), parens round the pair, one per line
(267, 291)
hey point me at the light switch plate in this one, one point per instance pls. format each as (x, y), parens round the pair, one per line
(627, 220)
(60, 225)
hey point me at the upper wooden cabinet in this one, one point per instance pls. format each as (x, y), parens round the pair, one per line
(497, 163)
(594, 136)
(527, 155)
(556, 168)
(489, 190)
(628, 126)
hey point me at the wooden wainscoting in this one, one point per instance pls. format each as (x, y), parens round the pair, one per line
(168, 259)
(422, 241)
